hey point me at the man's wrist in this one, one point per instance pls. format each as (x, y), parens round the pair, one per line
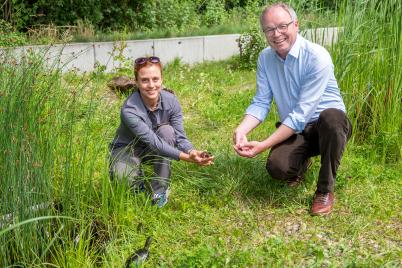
(265, 145)
(240, 131)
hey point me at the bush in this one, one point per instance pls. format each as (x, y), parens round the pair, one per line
(9, 37)
(251, 43)
(215, 13)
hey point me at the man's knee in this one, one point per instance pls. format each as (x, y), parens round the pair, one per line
(276, 169)
(167, 133)
(332, 118)
(334, 122)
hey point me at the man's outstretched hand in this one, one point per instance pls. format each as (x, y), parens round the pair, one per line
(249, 149)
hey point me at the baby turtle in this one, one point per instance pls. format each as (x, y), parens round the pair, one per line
(206, 154)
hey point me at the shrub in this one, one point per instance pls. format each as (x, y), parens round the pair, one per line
(251, 43)
(9, 37)
(215, 13)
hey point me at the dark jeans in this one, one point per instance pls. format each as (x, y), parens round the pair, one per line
(126, 162)
(326, 136)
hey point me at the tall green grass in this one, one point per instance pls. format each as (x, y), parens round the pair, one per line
(368, 60)
(27, 153)
(53, 157)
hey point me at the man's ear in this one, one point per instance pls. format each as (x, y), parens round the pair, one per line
(296, 22)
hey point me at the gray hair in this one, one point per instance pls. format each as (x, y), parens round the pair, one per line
(284, 6)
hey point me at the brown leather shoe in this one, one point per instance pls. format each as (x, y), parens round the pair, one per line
(322, 203)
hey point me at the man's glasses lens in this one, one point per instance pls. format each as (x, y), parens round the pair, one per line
(281, 28)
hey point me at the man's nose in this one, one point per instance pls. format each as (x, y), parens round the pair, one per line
(276, 31)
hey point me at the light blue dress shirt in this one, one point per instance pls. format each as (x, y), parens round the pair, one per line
(303, 85)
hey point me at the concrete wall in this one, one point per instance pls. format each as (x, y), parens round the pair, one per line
(85, 57)
(322, 36)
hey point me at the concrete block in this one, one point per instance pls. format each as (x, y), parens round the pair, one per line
(106, 53)
(114, 55)
(322, 36)
(12, 54)
(18, 53)
(140, 48)
(220, 47)
(188, 49)
(72, 57)
(52, 56)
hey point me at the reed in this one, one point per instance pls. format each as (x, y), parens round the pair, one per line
(27, 154)
(368, 60)
(53, 163)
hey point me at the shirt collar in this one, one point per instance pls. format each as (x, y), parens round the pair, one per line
(294, 51)
(158, 106)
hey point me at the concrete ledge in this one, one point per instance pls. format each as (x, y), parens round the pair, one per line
(220, 47)
(113, 55)
(187, 49)
(322, 36)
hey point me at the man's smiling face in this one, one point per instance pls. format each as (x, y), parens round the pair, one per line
(280, 30)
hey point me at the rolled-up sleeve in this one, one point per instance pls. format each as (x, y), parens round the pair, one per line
(261, 103)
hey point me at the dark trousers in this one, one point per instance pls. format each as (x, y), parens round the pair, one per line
(126, 162)
(326, 136)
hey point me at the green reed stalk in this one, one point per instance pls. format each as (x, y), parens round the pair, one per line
(26, 154)
(367, 60)
(53, 162)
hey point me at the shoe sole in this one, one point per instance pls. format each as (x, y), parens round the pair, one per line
(320, 214)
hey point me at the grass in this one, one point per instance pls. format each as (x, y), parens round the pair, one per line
(63, 210)
(230, 214)
(367, 57)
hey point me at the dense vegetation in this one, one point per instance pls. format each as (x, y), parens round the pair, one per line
(133, 15)
(23, 22)
(59, 208)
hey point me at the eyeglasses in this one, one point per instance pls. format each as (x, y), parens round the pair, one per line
(143, 60)
(282, 28)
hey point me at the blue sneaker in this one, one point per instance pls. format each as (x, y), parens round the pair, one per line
(160, 199)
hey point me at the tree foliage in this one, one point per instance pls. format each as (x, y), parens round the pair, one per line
(130, 15)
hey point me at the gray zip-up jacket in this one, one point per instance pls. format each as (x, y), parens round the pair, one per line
(138, 125)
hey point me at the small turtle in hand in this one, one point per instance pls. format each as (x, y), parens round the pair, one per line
(139, 256)
(206, 154)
